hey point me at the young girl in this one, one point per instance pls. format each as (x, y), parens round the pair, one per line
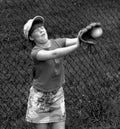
(46, 99)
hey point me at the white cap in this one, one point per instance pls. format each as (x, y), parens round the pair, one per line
(29, 24)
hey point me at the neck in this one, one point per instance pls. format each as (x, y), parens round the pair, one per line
(44, 45)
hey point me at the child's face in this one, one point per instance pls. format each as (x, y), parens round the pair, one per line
(39, 35)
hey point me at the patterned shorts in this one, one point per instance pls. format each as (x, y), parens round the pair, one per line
(46, 107)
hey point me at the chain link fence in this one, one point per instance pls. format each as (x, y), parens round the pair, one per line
(92, 76)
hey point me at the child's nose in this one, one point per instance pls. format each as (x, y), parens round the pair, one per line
(40, 29)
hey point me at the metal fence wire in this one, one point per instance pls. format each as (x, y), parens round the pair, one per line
(92, 77)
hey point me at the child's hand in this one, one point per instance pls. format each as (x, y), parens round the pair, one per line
(88, 34)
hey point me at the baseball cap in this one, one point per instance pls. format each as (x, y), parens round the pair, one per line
(27, 27)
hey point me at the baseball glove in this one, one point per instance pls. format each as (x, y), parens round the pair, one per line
(85, 36)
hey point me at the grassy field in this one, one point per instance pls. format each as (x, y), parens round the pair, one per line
(92, 77)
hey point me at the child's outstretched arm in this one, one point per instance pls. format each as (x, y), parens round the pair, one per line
(71, 45)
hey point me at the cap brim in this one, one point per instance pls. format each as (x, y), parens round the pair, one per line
(37, 20)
